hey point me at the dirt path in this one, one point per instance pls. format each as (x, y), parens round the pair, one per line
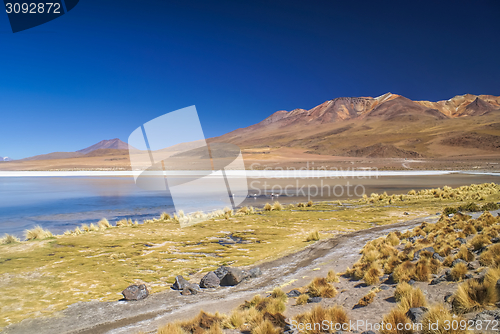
(290, 271)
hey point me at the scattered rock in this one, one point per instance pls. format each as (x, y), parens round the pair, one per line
(411, 281)
(462, 240)
(406, 213)
(314, 300)
(451, 215)
(293, 293)
(438, 257)
(495, 240)
(438, 280)
(416, 314)
(135, 292)
(448, 297)
(255, 272)
(417, 253)
(210, 280)
(468, 276)
(190, 289)
(472, 265)
(221, 272)
(457, 261)
(384, 287)
(233, 277)
(180, 283)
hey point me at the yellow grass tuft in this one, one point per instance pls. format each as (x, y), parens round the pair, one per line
(302, 299)
(438, 314)
(332, 277)
(268, 207)
(266, 327)
(372, 275)
(9, 239)
(479, 241)
(314, 236)
(333, 315)
(415, 298)
(319, 287)
(396, 318)
(403, 289)
(366, 299)
(459, 271)
(37, 233)
(103, 224)
(277, 206)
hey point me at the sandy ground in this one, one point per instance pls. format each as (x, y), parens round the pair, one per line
(290, 272)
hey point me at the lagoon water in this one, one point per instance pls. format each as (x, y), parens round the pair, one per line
(59, 203)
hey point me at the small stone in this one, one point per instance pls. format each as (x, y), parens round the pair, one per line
(438, 257)
(416, 314)
(495, 240)
(406, 213)
(384, 287)
(221, 272)
(438, 280)
(179, 283)
(255, 272)
(468, 276)
(293, 293)
(190, 289)
(314, 300)
(411, 281)
(416, 256)
(210, 280)
(135, 292)
(448, 297)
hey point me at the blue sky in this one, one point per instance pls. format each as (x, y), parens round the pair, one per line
(108, 66)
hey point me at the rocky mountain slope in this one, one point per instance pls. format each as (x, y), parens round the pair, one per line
(388, 126)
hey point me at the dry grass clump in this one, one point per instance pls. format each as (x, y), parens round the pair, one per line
(392, 239)
(332, 277)
(459, 271)
(438, 314)
(301, 205)
(469, 229)
(395, 318)
(319, 287)
(334, 315)
(479, 241)
(402, 290)
(9, 239)
(165, 216)
(367, 299)
(414, 298)
(422, 270)
(37, 233)
(372, 275)
(309, 204)
(302, 299)
(202, 323)
(465, 254)
(476, 294)
(404, 272)
(266, 327)
(490, 257)
(268, 207)
(313, 236)
(103, 224)
(277, 206)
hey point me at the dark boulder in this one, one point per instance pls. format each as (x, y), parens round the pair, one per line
(438, 280)
(233, 277)
(293, 293)
(416, 314)
(462, 240)
(495, 240)
(135, 292)
(313, 300)
(210, 280)
(180, 283)
(221, 272)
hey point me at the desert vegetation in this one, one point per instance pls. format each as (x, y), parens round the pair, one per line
(109, 256)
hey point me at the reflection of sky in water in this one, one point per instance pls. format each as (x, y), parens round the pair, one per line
(61, 203)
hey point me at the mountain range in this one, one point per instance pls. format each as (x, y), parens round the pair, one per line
(102, 148)
(5, 159)
(388, 126)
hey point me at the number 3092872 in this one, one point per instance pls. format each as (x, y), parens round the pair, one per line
(33, 8)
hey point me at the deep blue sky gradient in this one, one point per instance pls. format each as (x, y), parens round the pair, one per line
(108, 66)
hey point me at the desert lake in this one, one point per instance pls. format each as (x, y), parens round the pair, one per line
(63, 201)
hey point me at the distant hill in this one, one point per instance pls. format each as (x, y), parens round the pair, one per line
(102, 148)
(5, 159)
(115, 144)
(388, 126)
